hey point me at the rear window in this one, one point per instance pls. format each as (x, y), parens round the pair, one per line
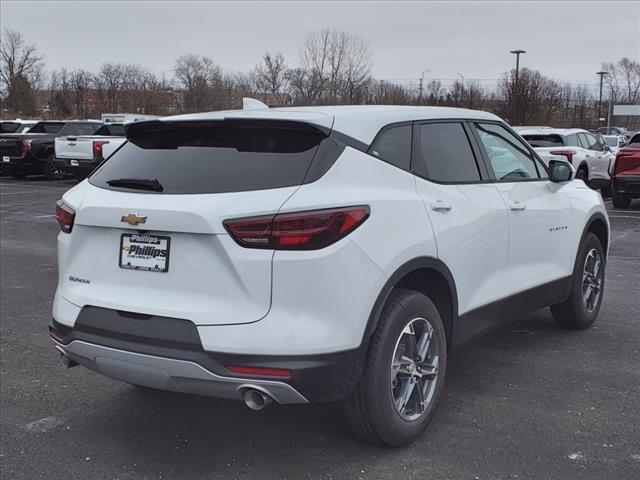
(78, 128)
(46, 127)
(111, 130)
(544, 140)
(213, 157)
(8, 127)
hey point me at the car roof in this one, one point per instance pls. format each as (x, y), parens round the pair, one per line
(361, 122)
(552, 131)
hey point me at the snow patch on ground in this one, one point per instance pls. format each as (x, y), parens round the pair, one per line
(43, 425)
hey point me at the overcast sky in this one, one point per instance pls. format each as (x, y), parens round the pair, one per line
(565, 40)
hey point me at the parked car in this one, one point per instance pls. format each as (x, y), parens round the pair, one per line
(581, 148)
(522, 128)
(32, 153)
(625, 178)
(126, 117)
(615, 131)
(16, 126)
(615, 142)
(80, 155)
(315, 254)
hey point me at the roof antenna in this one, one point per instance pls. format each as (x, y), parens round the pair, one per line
(253, 104)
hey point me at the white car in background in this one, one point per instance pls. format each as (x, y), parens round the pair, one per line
(581, 148)
(615, 142)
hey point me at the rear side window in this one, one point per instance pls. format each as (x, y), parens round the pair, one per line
(8, 127)
(77, 128)
(393, 145)
(111, 130)
(510, 160)
(635, 141)
(213, 157)
(544, 140)
(46, 127)
(445, 154)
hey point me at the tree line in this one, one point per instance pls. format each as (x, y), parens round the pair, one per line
(332, 68)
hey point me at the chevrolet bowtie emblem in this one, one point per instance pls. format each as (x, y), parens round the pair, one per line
(133, 219)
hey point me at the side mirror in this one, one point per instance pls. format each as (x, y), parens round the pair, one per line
(560, 171)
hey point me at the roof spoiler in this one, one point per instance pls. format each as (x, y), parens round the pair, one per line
(253, 104)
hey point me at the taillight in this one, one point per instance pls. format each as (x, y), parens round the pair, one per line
(564, 153)
(309, 230)
(65, 215)
(97, 148)
(26, 145)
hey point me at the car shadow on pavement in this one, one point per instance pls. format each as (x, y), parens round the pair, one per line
(170, 432)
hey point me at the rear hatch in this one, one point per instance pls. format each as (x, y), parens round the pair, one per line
(149, 235)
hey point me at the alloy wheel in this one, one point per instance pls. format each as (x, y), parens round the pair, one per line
(414, 369)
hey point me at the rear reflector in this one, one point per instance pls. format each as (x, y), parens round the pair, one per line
(65, 215)
(57, 334)
(310, 230)
(26, 145)
(268, 372)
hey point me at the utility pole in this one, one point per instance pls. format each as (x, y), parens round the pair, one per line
(421, 84)
(461, 87)
(517, 53)
(602, 74)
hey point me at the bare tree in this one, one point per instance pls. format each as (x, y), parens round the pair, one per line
(270, 77)
(21, 71)
(200, 80)
(334, 68)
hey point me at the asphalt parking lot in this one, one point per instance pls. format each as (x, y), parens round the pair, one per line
(527, 401)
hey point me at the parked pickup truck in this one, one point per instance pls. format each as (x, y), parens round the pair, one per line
(582, 149)
(32, 153)
(80, 155)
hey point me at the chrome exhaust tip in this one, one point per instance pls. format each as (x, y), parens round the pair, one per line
(66, 361)
(255, 399)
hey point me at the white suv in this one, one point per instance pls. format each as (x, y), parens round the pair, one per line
(318, 254)
(591, 158)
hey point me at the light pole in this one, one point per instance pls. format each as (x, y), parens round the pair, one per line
(517, 53)
(421, 84)
(461, 87)
(602, 74)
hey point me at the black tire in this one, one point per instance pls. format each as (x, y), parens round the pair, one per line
(17, 173)
(582, 174)
(620, 201)
(51, 171)
(371, 412)
(573, 313)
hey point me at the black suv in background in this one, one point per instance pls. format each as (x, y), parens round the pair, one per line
(33, 153)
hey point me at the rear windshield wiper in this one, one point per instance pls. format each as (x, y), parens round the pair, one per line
(137, 184)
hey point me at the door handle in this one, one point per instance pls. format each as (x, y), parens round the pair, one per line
(440, 206)
(517, 206)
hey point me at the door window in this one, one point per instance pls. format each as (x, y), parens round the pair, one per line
(445, 154)
(592, 142)
(510, 160)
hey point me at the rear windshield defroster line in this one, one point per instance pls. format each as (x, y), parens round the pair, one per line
(195, 157)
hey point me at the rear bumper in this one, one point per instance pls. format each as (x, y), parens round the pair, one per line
(167, 354)
(627, 185)
(171, 374)
(27, 163)
(70, 165)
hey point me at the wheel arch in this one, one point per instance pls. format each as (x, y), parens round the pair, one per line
(428, 275)
(598, 225)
